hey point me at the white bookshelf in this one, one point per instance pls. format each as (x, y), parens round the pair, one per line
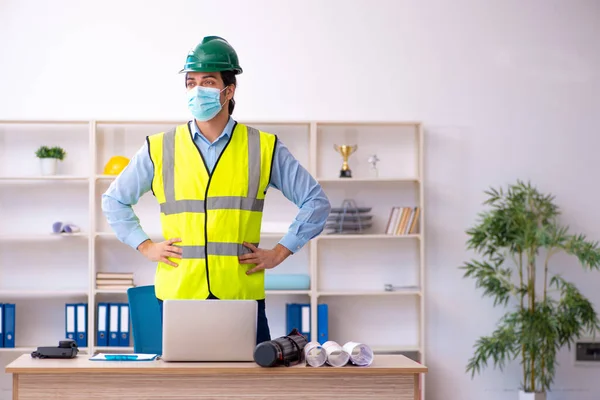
(40, 271)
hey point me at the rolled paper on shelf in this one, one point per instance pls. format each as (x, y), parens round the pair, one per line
(360, 353)
(70, 228)
(336, 355)
(61, 227)
(314, 354)
(57, 227)
(287, 282)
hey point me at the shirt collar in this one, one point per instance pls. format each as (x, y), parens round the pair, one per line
(226, 131)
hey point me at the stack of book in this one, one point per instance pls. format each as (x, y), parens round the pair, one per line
(403, 221)
(114, 280)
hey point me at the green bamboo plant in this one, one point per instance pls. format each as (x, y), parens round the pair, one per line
(516, 238)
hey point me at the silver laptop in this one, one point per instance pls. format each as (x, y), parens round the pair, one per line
(209, 330)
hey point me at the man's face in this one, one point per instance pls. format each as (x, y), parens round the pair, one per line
(209, 80)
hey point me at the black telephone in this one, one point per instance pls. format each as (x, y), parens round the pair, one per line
(66, 349)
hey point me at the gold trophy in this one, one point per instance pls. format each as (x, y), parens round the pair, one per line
(345, 151)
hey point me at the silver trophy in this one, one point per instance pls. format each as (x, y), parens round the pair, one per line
(373, 160)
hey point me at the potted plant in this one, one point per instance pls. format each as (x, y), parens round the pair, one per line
(49, 157)
(516, 239)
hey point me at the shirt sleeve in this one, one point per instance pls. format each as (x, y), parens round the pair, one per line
(124, 192)
(298, 186)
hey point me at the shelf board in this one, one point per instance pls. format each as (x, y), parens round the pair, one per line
(106, 234)
(110, 291)
(20, 349)
(287, 292)
(99, 123)
(324, 236)
(111, 235)
(395, 349)
(154, 235)
(32, 294)
(400, 292)
(105, 177)
(29, 349)
(43, 178)
(362, 236)
(45, 121)
(4, 237)
(368, 123)
(368, 180)
(268, 292)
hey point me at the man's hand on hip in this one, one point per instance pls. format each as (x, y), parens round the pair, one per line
(264, 259)
(161, 251)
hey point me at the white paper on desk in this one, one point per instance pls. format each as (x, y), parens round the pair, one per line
(140, 357)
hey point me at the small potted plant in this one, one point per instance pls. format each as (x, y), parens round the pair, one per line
(516, 239)
(49, 157)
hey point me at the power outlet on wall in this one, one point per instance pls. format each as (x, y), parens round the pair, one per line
(587, 351)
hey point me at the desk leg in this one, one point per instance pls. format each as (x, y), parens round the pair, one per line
(226, 386)
(417, 386)
(15, 387)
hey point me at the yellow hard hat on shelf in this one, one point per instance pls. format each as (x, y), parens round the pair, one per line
(115, 165)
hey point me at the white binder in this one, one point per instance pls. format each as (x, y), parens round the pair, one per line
(70, 321)
(113, 326)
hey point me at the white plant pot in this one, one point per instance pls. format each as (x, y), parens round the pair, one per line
(48, 166)
(531, 396)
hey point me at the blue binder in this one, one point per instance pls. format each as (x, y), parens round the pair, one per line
(9, 325)
(292, 314)
(298, 316)
(124, 325)
(70, 321)
(102, 325)
(82, 319)
(322, 323)
(1, 325)
(113, 324)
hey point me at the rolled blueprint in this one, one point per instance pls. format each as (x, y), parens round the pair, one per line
(360, 353)
(336, 356)
(314, 354)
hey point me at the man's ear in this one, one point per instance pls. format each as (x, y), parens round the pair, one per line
(230, 92)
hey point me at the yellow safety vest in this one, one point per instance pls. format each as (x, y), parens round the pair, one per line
(212, 213)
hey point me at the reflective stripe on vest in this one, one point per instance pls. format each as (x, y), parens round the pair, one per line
(215, 249)
(250, 203)
(198, 206)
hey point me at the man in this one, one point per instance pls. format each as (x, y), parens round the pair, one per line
(210, 177)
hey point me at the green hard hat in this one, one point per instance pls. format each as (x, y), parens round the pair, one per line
(211, 55)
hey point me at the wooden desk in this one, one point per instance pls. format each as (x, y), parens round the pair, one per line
(389, 377)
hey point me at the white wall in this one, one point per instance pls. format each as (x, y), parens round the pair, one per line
(491, 80)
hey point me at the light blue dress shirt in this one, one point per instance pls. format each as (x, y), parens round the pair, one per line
(287, 175)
